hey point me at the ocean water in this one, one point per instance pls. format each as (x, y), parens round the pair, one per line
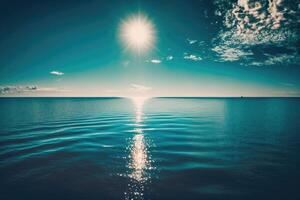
(160, 148)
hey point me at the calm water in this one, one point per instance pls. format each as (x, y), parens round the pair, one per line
(164, 148)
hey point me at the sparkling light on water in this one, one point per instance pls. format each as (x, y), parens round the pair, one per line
(139, 161)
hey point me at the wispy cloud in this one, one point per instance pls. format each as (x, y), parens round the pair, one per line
(139, 88)
(190, 41)
(279, 59)
(57, 73)
(155, 61)
(160, 60)
(51, 89)
(192, 57)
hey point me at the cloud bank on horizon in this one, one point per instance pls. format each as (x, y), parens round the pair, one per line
(12, 90)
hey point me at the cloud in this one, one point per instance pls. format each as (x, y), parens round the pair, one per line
(57, 73)
(158, 61)
(155, 61)
(17, 89)
(218, 13)
(191, 41)
(191, 57)
(250, 24)
(140, 88)
(279, 59)
(231, 54)
(49, 89)
(201, 43)
(168, 58)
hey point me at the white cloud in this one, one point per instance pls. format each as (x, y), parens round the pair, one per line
(155, 61)
(230, 54)
(254, 23)
(139, 88)
(168, 58)
(218, 13)
(190, 41)
(250, 23)
(192, 57)
(57, 73)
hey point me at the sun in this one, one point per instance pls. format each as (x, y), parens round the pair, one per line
(137, 33)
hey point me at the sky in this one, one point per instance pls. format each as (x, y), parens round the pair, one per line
(198, 48)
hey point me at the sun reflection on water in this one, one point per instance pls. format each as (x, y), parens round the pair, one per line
(138, 104)
(139, 160)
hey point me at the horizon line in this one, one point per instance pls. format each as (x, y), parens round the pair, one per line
(150, 97)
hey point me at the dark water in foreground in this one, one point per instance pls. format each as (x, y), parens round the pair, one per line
(166, 148)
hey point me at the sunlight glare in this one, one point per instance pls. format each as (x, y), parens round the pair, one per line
(138, 103)
(137, 33)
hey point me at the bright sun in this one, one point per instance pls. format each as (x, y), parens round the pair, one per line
(137, 33)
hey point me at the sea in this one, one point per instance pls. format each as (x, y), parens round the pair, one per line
(156, 148)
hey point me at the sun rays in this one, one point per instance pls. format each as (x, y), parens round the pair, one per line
(137, 33)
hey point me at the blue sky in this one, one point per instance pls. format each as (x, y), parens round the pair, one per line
(201, 48)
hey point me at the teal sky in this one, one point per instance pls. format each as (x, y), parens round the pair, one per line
(201, 48)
